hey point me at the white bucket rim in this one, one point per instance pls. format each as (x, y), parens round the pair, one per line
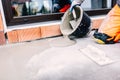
(78, 21)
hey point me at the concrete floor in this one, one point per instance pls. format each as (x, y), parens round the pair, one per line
(40, 60)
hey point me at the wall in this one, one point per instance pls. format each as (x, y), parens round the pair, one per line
(32, 33)
(28, 34)
(2, 36)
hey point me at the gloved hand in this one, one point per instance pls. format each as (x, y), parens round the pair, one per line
(74, 3)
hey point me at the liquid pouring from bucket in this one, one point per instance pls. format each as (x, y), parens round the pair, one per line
(75, 24)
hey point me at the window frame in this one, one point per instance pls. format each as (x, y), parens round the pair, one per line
(11, 20)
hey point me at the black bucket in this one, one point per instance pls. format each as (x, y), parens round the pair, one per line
(76, 23)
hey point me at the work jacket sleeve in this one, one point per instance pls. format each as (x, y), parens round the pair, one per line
(79, 1)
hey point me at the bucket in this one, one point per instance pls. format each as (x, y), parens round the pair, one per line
(76, 23)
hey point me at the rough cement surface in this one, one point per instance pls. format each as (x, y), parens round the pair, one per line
(38, 60)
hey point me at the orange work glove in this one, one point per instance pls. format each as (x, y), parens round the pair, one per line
(111, 25)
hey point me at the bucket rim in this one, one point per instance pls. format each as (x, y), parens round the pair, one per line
(79, 20)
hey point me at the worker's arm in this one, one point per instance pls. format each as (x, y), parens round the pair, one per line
(75, 2)
(79, 1)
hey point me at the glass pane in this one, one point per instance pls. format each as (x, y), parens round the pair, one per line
(37, 7)
(41, 7)
(96, 4)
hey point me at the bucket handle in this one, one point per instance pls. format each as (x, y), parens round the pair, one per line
(73, 12)
(74, 6)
